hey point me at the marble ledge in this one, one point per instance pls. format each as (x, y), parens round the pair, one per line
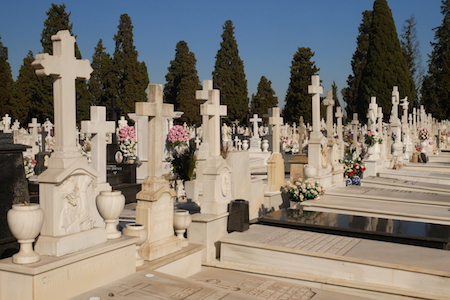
(159, 262)
(48, 263)
(205, 218)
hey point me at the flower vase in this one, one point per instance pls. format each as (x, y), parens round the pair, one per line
(424, 146)
(265, 146)
(356, 180)
(374, 152)
(137, 230)
(309, 171)
(245, 145)
(295, 205)
(181, 221)
(131, 161)
(25, 222)
(110, 204)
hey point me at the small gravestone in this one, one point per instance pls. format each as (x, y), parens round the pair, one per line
(13, 188)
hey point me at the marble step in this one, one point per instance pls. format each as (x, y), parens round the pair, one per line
(423, 176)
(425, 213)
(408, 185)
(378, 270)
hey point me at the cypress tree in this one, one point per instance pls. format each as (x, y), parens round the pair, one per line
(298, 101)
(229, 76)
(132, 77)
(359, 59)
(265, 97)
(102, 78)
(410, 49)
(182, 82)
(435, 91)
(6, 82)
(386, 65)
(334, 89)
(28, 91)
(58, 19)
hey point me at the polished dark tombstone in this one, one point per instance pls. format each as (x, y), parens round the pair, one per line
(389, 230)
(13, 188)
(238, 218)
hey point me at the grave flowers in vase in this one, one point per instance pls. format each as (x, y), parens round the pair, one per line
(302, 190)
(354, 168)
(181, 155)
(128, 143)
(372, 141)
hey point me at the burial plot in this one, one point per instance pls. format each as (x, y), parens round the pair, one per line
(422, 176)
(409, 185)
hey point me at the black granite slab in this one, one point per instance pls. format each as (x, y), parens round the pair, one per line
(390, 230)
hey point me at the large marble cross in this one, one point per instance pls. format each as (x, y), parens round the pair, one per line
(211, 110)
(329, 103)
(34, 125)
(339, 115)
(64, 68)
(276, 121)
(255, 120)
(101, 128)
(315, 89)
(155, 109)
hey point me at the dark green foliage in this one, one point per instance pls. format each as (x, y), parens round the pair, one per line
(410, 49)
(359, 59)
(229, 76)
(6, 86)
(298, 101)
(435, 89)
(132, 77)
(182, 82)
(386, 66)
(28, 89)
(334, 89)
(101, 83)
(265, 97)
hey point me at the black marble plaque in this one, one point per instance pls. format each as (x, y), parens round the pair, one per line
(390, 230)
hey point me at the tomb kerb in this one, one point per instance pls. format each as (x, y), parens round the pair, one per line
(65, 186)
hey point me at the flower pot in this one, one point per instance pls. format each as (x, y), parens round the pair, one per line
(110, 204)
(415, 157)
(181, 221)
(424, 146)
(25, 223)
(137, 230)
(309, 171)
(373, 152)
(245, 145)
(265, 146)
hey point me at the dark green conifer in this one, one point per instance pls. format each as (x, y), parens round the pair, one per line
(334, 89)
(298, 101)
(386, 65)
(264, 98)
(102, 78)
(229, 76)
(435, 88)
(182, 82)
(6, 83)
(359, 59)
(132, 77)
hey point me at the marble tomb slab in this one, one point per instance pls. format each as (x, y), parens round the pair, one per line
(409, 185)
(423, 176)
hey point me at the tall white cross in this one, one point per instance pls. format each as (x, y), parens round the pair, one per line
(7, 123)
(329, 103)
(101, 128)
(276, 121)
(211, 112)
(339, 115)
(255, 120)
(315, 89)
(395, 102)
(34, 125)
(64, 68)
(155, 109)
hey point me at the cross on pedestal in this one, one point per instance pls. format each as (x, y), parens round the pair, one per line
(7, 123)
(255, 120)
(100, 127)
(339, 115)
(316, 90)
(395, 102)
(211, 112)
(276, 121)
(48, 126)
(155, 109)
(329, 103)
(372, 112)
(64, 68)
(34, 125)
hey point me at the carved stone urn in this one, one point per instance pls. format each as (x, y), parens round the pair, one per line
(110, 204)
(137, 230)
(25, 222)
(309, 171)
(181, 221)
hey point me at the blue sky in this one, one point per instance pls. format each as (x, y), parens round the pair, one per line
(268, 33)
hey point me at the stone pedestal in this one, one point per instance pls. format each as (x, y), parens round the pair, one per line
(275, 172)
(297, 162)
(373, 167)
(68, 276)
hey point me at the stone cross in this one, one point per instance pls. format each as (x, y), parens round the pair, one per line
(236, 142)
(16, 125)
(64, 68)
(395, 102)
(380, 120)
(372, 112)
(276, 121)
(100, 127)
(405, 106)
(34, 125)
(329, 103)
(122, 122)
(211, 112)
(316, 90)
(355, 124)
(155, 109)
(255, 120)
(48, 126)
